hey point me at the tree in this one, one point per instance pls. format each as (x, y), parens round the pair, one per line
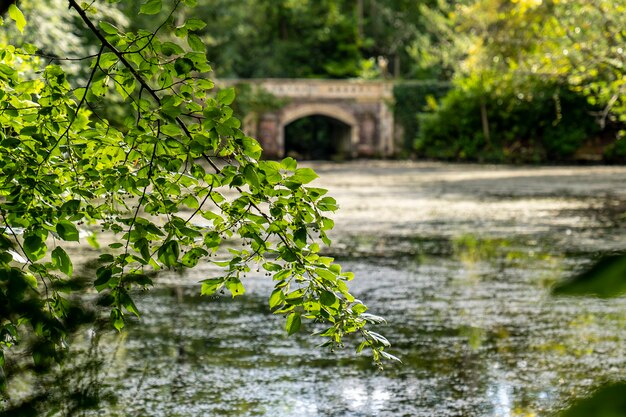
(322, 38)
(175, 182)
(536, 79)
(59, 35)
(512, 45)
(281, 38)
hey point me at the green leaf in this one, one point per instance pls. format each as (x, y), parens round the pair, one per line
(151, 7)
(62, 261)
(608, 401)
(117, 319)
(191, 258)
(93, 241)
(289, 164)
(303, 175)
(362, 346)
(210, 286)
(170, 48)
(17, 16)
(271, 266)
(168, 253)
(108, 28)
(183, 66)
(127, 302)
(235, 286)
(143, 246)
(67, 231)
(190, 201)
(195, 43)
(605, 279)
(327, 224)
(6, 257)
(300, 236)
(293, 324)
(195, 24)
(34, 247)
(326, 274)
(171, 129)
(276, 298)
(252, 148)
(327, 298)
(251, 176)
(359, 308)
(103, 276)
(30, 280)
(226, 96)
(327, 204)
(139, 279)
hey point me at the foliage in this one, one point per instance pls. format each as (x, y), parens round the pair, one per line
(607, 401)
(438, 49)
(254, 99)
(543, 122)
(505, 50)
(269, 38)
(411, 99)
(326, 39)
(388, 30)
(581, 43)
(175, 184)
(616, 151)
(59, 36)
(604, 278)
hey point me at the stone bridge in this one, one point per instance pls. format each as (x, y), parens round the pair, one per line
(362, 107)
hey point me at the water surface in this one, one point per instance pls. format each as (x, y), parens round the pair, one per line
(458, 258)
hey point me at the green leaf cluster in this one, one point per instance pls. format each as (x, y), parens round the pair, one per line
(176, 184)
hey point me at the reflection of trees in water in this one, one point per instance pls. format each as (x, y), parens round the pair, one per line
(51, 389)
(41, 386)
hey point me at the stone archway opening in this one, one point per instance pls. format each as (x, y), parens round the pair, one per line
(318, 131)
(318, 137)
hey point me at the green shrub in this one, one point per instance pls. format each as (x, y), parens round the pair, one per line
(616, 152)
(412, 98)
(545, 124)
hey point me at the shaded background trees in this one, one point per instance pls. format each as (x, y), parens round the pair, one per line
(531, 80)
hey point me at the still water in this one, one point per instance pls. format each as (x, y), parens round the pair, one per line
(458, 258)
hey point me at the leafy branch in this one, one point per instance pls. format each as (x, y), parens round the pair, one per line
(146, 180)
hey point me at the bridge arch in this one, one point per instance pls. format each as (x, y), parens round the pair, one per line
(294, 112)
(362, 108)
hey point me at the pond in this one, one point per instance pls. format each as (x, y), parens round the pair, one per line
(458, 258)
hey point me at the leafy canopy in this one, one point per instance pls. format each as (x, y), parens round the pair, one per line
(174, 183)
(511, 45)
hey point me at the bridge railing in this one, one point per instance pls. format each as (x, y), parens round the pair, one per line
(320, 88)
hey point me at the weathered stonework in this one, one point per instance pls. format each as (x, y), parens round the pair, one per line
(362, 105)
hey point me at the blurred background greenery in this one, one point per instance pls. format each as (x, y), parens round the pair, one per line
(477, 80)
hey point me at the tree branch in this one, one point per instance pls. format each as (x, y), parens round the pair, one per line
(131, 69)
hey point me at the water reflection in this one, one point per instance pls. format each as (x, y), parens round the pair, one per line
(500, 395)
(466, 299)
